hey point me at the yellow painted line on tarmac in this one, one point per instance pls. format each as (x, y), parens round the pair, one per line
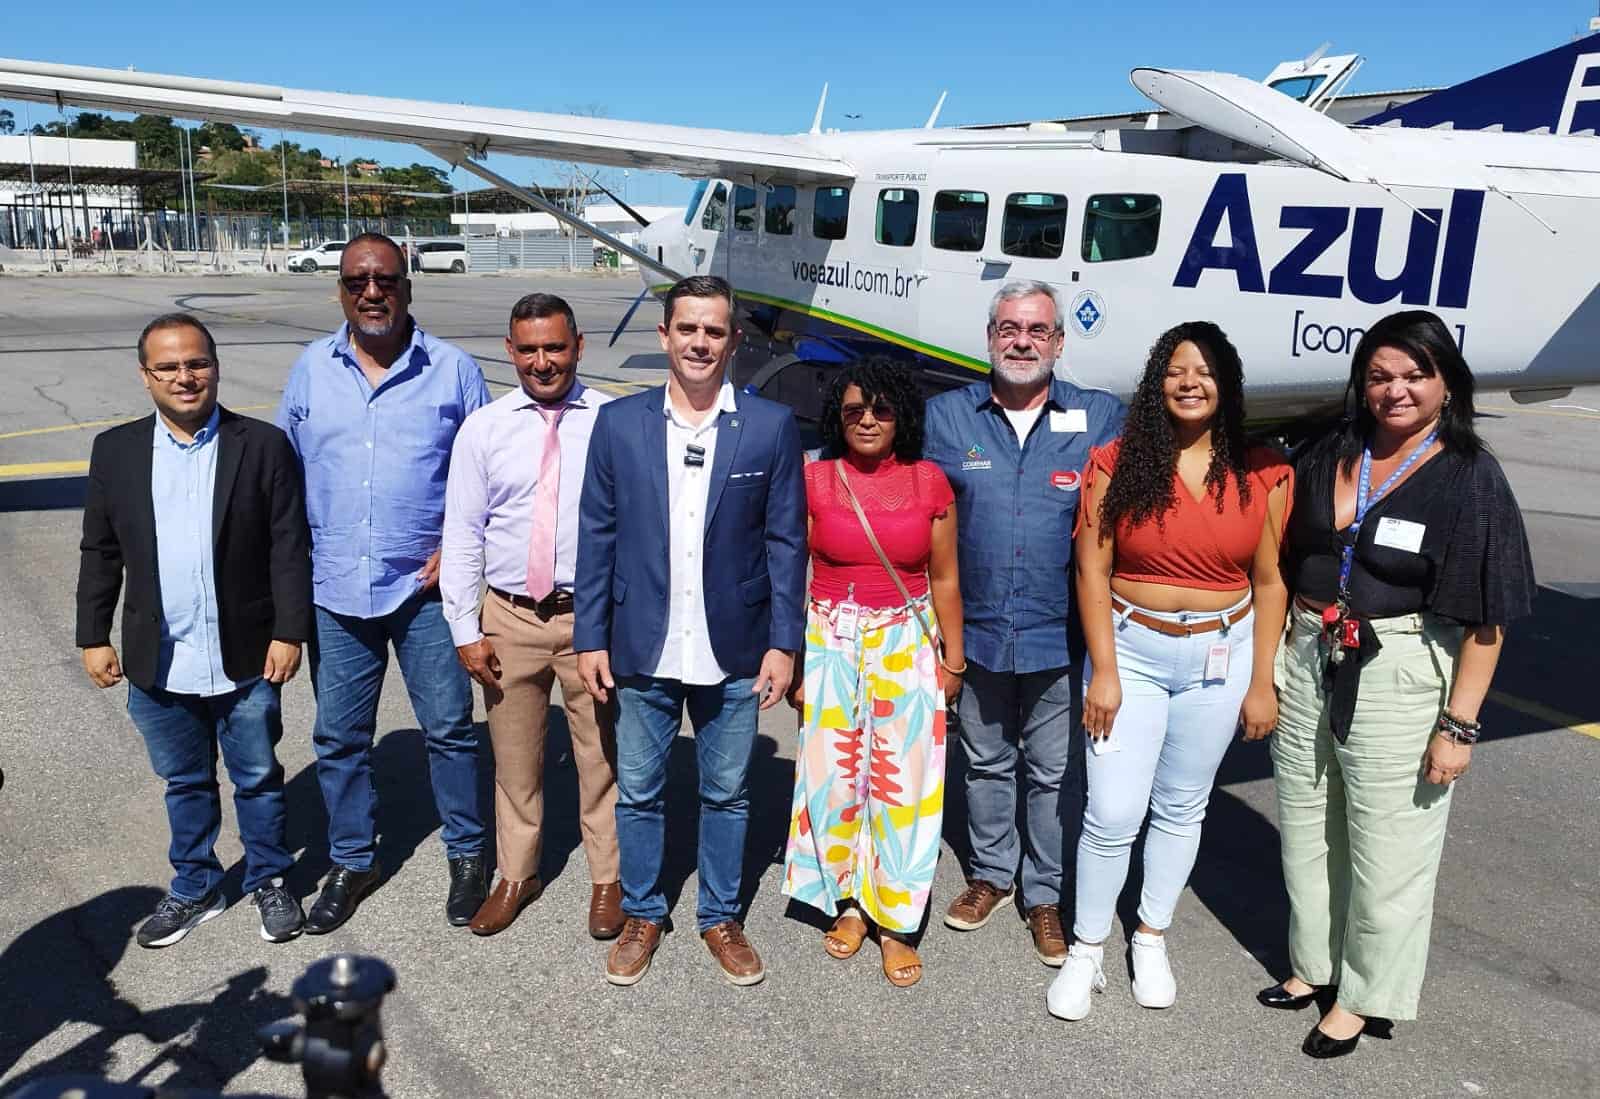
(37, 469)
(1590, 729)
(84, 425)
(1539, 411)
(620, 389)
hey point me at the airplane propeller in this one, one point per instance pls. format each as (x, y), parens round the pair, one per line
(622, 325)
(644, 223)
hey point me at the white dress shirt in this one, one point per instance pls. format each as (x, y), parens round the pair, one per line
(488, 512)
(686, 656)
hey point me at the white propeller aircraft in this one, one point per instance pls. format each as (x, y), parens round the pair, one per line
(1239, 205)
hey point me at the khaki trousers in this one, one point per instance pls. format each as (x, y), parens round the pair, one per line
(533, 655)
(1361, 830)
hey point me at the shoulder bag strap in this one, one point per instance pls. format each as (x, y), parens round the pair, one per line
(883, 558)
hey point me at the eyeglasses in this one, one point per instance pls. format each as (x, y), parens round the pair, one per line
(1010, 330)
(356, 285)
(169, 371)
(852, 414)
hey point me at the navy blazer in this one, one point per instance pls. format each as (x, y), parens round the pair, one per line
(754, 561)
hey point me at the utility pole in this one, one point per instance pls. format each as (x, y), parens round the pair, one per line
(33, 181)
(344, 171)
(283, 163)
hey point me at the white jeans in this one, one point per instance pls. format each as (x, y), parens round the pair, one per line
(1162, 756)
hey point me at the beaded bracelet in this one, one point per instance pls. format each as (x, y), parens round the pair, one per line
(1458, 730)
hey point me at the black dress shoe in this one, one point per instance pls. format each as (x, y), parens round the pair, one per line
(469, 886)
(1320, 1046)
(341, 892)
(1277, 997)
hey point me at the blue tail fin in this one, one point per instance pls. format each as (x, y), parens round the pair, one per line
(1557, 92)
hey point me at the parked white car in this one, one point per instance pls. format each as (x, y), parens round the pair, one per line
(324, 257)
(444, 255)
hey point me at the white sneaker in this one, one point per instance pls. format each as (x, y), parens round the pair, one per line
(1153, 983)
(1080, 975)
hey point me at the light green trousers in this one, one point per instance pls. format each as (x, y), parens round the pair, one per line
(1361, 830)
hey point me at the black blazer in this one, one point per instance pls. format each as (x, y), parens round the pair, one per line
(260, 542)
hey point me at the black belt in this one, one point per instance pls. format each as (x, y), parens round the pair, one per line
(557, 602)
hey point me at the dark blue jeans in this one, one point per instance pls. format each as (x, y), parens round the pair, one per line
(182, 734)
(724, 720)
(348, 662)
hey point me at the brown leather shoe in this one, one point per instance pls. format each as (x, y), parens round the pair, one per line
(740, 963)
(502, 906)
(630, 955)
(605, 910)
(975, 904)
(1049, 940)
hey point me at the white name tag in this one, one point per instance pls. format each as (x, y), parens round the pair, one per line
(846, 621)
(1072, 419)
(1217, 662)
(1399, 534)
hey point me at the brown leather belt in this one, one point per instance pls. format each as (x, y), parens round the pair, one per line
(1205, 621)
(557, 602)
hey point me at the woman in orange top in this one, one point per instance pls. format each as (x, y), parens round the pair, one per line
(1182, 604)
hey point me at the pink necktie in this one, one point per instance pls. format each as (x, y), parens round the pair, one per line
(542, 544)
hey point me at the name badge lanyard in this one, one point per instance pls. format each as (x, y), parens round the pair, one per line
(1338, 616)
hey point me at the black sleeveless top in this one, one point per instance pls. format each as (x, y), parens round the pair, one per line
(1468, 562)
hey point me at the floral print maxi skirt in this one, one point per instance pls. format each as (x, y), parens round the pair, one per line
(869, 768)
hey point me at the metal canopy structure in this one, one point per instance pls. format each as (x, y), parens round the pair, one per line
(104, 179)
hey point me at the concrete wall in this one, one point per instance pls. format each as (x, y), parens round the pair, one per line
(55, 150)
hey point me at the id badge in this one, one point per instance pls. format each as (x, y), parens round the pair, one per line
(1217, 662)
(846, 621)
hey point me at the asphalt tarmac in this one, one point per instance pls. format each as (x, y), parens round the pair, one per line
(1511, 1006)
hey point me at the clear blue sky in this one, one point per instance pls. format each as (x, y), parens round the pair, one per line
(761, 67)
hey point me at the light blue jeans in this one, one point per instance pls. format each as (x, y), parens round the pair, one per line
(1166, 744)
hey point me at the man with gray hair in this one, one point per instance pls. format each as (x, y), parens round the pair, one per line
(1014, 448)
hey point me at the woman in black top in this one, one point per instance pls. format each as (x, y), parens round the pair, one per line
(1407, 556)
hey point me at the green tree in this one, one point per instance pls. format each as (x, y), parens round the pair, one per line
(220, 137)
(8, 122)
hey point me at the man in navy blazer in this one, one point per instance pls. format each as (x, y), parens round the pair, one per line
(689, 592)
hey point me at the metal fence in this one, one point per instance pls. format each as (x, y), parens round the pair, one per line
(522, 250)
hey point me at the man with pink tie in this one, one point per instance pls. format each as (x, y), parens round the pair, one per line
(511, 521)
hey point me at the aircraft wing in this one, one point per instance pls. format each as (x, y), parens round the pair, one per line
(682, 150)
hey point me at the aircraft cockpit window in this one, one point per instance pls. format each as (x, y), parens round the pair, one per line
(1299, 87)
(716, 215)
(690, 210)
(780, 211)
(960, 219)
(1120, 227)
(744, 209)
(830, 216)
(897, 217)
(1035, 225)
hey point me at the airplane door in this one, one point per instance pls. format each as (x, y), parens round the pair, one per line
(708, 229)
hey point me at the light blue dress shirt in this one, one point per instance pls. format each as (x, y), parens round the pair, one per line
(183, 480)
(376, 462)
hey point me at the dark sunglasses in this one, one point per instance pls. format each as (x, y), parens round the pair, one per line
(852, 414)
(356, 285)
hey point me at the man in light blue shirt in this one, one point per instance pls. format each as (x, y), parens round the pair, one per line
(372, 411)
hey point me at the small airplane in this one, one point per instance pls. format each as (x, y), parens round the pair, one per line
(1245, 203)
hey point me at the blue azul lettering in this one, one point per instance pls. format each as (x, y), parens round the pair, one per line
(1325, 226)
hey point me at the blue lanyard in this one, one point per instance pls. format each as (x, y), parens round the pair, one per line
(1365, 499)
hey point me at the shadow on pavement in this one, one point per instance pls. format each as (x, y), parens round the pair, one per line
(59, 972)
(43, 494)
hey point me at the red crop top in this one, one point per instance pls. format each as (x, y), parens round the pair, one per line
(901, 500)
(1195, 546)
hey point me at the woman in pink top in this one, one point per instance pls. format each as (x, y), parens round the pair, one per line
(869, 769)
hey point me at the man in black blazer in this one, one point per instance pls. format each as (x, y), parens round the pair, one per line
(204, 513)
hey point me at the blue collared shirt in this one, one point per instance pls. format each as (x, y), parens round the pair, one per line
(1016, 502)
(376, 462)
(183, 480)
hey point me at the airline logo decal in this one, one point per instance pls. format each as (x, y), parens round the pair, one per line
(1088, 314)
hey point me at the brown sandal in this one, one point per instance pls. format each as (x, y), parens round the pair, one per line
(903, 972)
(846, 935)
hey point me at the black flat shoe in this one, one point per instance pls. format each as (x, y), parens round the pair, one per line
(469, 887)
(341, 892)
(1322, 1047)
(1284, 1001)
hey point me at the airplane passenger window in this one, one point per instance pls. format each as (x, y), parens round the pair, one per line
(716, 215)
(960, 219)
(1035, 225)
(780, 211)
(1120, 226)
(831, 215)
(897, 217)
(744, 209)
